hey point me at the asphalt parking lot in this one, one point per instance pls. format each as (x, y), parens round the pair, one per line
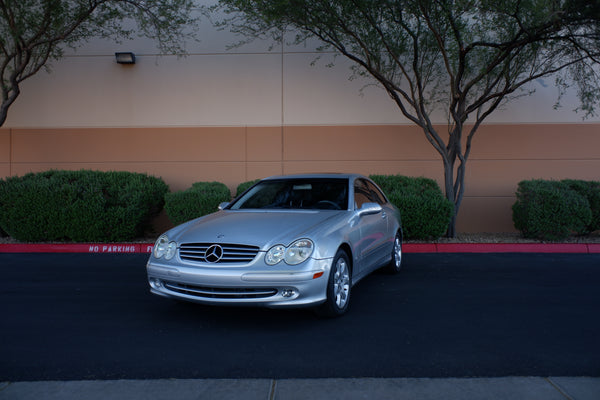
(90, 317)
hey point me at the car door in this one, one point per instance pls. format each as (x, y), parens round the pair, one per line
(374, 236)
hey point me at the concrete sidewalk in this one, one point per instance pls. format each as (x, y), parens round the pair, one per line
(509, 388)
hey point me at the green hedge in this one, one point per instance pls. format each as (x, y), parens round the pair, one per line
(552, 210)
(425, 211)
(80, 205)
(591, 191)
(201, 199)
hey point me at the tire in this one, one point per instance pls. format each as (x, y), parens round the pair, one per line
(396, 263)
(339, 287)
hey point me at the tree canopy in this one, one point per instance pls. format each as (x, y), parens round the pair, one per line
(462, 57)
(35, 32)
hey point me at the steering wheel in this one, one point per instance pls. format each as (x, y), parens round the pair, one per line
(331, 204)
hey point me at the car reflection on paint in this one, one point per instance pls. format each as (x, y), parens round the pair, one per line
(288, 241)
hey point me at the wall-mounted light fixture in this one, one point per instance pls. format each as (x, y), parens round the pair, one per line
(125, 58)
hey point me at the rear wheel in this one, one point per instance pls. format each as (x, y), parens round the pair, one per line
(339, 287)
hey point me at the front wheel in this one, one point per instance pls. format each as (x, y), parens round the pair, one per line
(396, 262)
(339, 287)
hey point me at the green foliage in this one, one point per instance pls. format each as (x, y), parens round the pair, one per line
(80, 205)
(33, 32)
(550, 210)
(391, 183)
(242, 187)
(460, 59)
(459, 56)
(201, 199)
(591, 191)
(425, 211)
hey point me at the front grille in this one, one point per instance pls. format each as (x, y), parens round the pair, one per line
(220, 293)
(218, 253)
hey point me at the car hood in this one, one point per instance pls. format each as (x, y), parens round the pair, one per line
(255, 228)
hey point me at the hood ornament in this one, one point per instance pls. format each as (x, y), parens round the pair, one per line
(214, 254)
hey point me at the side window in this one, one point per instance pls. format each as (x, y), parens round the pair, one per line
(376, 194)
(361, 193)
(367, 192)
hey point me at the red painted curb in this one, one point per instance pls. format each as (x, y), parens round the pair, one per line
(512, 248)
(77, 248)
(419, 248)
(594, 248)
(146, 248)
(572, 248)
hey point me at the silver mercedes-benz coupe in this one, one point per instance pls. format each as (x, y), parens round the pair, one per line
(288, 241)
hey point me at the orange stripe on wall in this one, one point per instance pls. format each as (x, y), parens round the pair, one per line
(502, 155)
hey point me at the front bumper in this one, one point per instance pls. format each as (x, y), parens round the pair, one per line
(265, 286)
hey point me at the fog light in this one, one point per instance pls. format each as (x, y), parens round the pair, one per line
(288, 292)
(155, 283)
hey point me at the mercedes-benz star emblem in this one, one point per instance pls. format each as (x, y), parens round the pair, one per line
(214, 253)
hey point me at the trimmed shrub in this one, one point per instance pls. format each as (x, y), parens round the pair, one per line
(242, 187)
(391, 183)
(425, 211)
(201, 199)
(591, 191)
(2, 232)
(550, 210)
(80, 205)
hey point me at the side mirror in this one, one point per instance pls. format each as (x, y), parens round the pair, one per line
(223, 205)
(370, 209)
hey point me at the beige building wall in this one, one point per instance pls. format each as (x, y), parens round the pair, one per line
(233, 115)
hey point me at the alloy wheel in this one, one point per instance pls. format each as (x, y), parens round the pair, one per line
(341, 283)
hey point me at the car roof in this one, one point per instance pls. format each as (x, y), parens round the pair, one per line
(316, 175)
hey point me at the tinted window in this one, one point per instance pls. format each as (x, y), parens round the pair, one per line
(376, 193)
(321, 194)
(366, 192)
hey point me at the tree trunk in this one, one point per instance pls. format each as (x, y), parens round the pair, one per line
(450, 195)
(9, 95)
(3, 114)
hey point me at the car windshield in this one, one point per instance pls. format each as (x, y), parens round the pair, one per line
(315, 194)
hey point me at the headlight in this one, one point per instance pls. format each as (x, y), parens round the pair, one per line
(295, 254)
(171, 249)
(275, 254)
(299, 251)
(163, 247)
